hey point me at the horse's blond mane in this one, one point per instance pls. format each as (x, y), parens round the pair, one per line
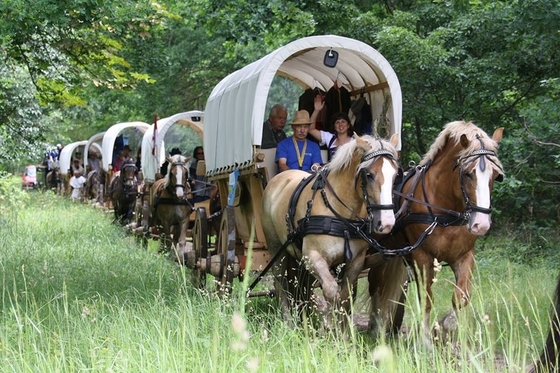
(453, 132)
(342, 159)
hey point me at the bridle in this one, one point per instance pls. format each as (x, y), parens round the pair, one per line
(463, 162)
(127, 170)
(172, 188)
(366, 175)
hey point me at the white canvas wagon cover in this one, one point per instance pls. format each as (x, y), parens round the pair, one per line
(235, 110)
(153, 147)
(65, 156)
(93, 141)
(110, 137)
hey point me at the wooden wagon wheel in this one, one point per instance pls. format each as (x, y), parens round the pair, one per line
(226, 249)
(200, 245)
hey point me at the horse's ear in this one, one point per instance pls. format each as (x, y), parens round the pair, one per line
(497, 136)
(168, 159)
(187, 159)
(362, 143)
(464, 141)
(394, 140)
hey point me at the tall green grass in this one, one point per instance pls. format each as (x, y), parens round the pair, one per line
(80, 295)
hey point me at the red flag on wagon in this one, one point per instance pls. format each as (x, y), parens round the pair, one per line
(154, 137)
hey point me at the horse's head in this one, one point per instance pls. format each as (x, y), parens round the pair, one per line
(128, 173)
(374, 167)
(177, 176)
(377, 172)
(478, 167)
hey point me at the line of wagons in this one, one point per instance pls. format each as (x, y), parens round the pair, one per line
(226, 238)
(230, 129)
(228, 241)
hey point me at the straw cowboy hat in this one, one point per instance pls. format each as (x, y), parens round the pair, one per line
(301, 117)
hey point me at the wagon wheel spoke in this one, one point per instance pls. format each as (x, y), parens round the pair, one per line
(200, 246)
(226, 249)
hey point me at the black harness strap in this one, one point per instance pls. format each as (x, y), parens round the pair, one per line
(268, 266)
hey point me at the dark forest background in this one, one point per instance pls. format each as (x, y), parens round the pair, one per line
(70, 69)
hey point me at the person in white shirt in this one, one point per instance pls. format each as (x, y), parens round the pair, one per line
(77, 183)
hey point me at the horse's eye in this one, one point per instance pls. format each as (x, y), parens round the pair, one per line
(469, 175)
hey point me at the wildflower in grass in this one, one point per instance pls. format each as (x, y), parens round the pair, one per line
(239, 326)
(486, 319)
(383, 356)
(437, 266)
(265, 335)
(253, 364)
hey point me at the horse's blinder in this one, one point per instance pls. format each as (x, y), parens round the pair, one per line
(462, 163)
(365, 175)
(185, 184)
(127, 177)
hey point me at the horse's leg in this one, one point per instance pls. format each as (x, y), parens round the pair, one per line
(165, 239)
(349, 282)
(424, 275)
(387, 281)
(462, 269)
(282, 278)
(116, 210)
(181, 245)
(319, 267)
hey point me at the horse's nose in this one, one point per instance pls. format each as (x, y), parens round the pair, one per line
(480, 224)
(386, 222)
(179, 191)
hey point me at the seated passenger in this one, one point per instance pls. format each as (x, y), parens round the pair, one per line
(297, 152)
(341, 124)
(119, 161)
(165, 165)
(201, 188)
(76, 166)
(273, 128)
(94, 163)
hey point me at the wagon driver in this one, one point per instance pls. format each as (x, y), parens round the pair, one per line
(273, 128)
(296, 152)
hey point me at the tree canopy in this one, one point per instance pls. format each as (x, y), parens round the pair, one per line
(71, 69)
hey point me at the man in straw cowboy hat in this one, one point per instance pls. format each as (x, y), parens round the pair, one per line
(296, 152)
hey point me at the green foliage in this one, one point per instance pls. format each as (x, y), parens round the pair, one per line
(21, 127)
(62, 48)
(532, 152)
(70, 72)
(12, 197)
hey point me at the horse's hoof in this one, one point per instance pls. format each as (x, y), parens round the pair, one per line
(450, 322)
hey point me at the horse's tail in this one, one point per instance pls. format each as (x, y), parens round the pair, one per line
(548, 361)
(386, 281)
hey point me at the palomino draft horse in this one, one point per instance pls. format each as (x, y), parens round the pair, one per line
(444, 206)
(324, 220)
(123, 191)
(170, 207)
(95, 183)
